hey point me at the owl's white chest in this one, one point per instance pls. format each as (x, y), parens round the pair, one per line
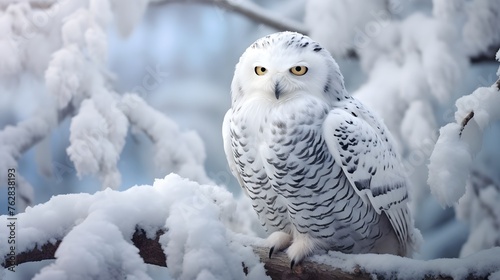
(264, 122)
(266, 141)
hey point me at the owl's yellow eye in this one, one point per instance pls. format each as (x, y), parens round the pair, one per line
(298, 70)
(259, 70)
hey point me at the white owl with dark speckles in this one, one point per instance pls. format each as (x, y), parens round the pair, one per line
(319, 167)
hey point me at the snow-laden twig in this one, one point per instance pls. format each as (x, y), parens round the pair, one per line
(76, 76)
(16, 140)
(459, 142)
(97, 138)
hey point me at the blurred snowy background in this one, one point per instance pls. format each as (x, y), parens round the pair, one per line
(98, 94)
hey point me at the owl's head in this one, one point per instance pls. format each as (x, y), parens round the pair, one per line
(285, 65)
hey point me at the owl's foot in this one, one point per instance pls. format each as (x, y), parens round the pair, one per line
(278, 241)
(302, 246)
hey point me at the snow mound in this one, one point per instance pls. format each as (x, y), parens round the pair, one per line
(96, 231)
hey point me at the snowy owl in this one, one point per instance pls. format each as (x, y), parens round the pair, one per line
(320, 168)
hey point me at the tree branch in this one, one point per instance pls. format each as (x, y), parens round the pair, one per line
(251, 11)
(15, 140)
(244, 7)
(465, 121)
(277, 267)
(470, 115)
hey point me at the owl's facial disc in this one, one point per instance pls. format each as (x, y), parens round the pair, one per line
(287, 66)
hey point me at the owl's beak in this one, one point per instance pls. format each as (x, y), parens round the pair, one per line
(277, 90)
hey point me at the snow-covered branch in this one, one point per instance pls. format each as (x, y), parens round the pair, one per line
(151, 252)
(459, 142)
(199, 228)
(454, 176)
(358, 28)
(278, 267)
(79, 83)
(16, 140)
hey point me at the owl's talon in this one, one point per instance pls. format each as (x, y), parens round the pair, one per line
(303, 245)
(278, 241)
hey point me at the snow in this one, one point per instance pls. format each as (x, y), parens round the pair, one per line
(97, 137)
(14, 140)
(96, 232)
(480, 31)
(64, 75)
(175, 151)
(76, 76)
(353, 23)
(202, 240)
(454, 176)
(451, 161)
(481, 264)
(449, 165)
(478, 207)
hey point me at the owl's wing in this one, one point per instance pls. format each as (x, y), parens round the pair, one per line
(360, 144)
(226, 137)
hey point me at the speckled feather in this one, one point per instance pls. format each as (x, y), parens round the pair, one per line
(320, 169)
